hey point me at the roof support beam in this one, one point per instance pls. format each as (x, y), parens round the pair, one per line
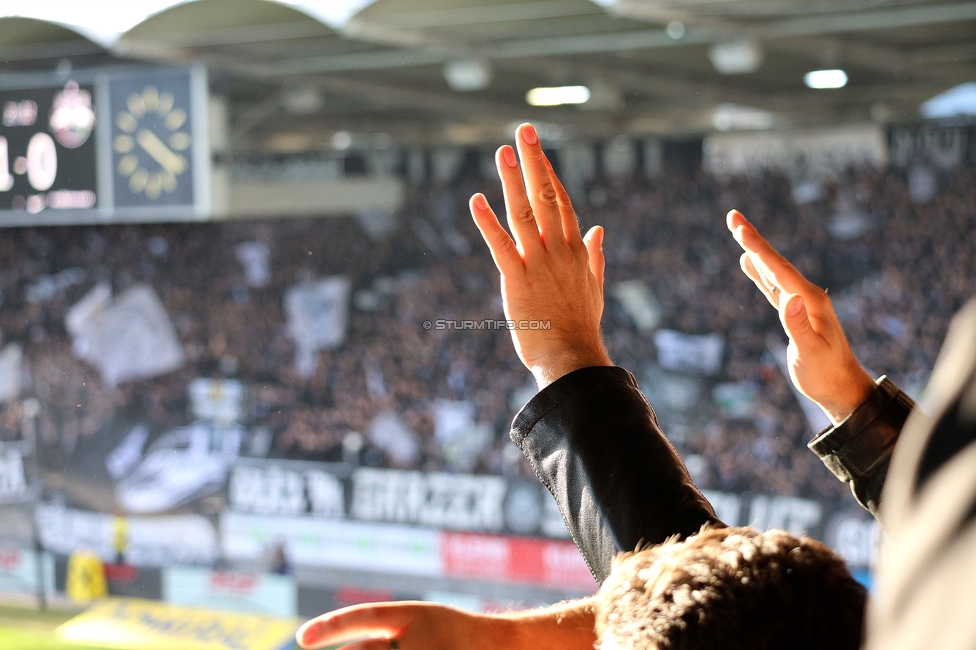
(421, 52)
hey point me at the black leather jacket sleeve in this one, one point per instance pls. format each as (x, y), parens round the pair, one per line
(595, 443)
(858, 449)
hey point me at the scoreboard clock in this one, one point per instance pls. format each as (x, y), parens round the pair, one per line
(152, 135)
(104, 145)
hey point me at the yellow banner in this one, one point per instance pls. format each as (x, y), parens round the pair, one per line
(148, 625)
(86, 577)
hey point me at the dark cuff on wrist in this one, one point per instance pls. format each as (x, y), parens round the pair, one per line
(571, 385)
(856, 448)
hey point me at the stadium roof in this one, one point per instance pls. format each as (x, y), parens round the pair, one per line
(297, 72)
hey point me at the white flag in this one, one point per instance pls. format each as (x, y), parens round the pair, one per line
(128, 338)
(461, 438)
(317, 315)
(10, 362)
(254, 257)
(698, 355)
(639, 303)
(391, 434)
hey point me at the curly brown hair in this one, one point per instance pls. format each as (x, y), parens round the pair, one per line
(731, 589)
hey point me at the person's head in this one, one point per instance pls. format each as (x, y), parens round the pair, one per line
(731, 589)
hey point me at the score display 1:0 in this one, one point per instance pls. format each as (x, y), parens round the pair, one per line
(47, 154)
(40, 164)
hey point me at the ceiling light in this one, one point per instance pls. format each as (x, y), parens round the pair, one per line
(821, 79)
(342, 140)
(468, 75)
(302, 100)
(558, 95)
(676, 30)
(737, 57)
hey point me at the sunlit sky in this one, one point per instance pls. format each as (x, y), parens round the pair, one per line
(105, 21)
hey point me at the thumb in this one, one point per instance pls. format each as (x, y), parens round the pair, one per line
(796, 322)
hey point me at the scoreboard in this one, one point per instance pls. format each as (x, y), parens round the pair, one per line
(107, 145)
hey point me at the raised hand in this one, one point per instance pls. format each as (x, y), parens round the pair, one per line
(822, 364)
(430, 626)
(551, 278)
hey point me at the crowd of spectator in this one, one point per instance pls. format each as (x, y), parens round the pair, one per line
(896, 283)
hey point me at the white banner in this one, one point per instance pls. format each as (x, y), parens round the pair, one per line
(19, 574)
(942, 146)
(317, 316)
(153, 541)
(765, 512)
(793, 514)
(234, 591)
(126, 339)
(333, 543)
(856, 538)
(285, 488)
(809, 153)
(181, 465)
(688, 353)
(458, 501)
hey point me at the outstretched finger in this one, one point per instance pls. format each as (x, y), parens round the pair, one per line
(734, 219)
(354, 624)
(541, 193)
(503, 250)
(773, 266)
(773, 269)
(372, 644)
(521, 218)
(750, 270)
(571, 226)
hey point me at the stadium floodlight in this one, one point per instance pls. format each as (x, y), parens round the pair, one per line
(558, 95)
(823, 79)
(736, 57)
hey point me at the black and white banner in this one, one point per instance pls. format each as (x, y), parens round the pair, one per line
(287, 488)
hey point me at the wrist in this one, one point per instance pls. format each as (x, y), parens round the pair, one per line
(856, 392)
(556, 365)
(564, 626)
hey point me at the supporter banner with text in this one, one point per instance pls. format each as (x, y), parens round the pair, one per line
(155, 626)
(173, 539)
(20, 574)
(492, 504)
(276, 595)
